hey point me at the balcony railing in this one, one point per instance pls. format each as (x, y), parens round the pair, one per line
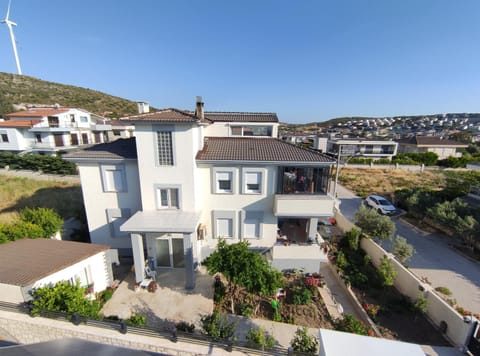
(300, 205)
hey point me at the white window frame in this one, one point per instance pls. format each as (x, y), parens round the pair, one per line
(219, 215)
(249, 216)
(218, 172)
(105, 170)
(261, 180)
(2, 134)
(158, 198)
(115, 218)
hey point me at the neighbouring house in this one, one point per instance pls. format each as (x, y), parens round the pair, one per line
(375, 149)
(48, 130)
(442, 147)
(191, 177)
(27, 264)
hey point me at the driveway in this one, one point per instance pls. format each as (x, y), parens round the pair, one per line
(434, 258)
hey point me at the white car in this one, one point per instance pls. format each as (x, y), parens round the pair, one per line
(382, 205)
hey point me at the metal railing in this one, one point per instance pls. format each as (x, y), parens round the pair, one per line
(157, 332)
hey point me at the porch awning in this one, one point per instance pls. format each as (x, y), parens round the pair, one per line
(162, 221)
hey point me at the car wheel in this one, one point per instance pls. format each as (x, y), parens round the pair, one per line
(380, 211)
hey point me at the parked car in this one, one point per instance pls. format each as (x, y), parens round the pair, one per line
(381, 204)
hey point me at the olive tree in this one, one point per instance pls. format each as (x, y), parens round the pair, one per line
(373, 224)
(402, 249)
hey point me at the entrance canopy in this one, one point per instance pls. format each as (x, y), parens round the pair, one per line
(162, 221)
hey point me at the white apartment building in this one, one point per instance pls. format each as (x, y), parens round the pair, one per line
(188, 178)
(375, 149)
(47, 130)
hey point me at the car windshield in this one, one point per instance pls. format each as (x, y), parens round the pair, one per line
(384, 202)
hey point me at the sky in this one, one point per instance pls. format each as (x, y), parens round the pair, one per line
(306, 60)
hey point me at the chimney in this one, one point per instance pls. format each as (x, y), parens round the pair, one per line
(143, 107)
(199, 109)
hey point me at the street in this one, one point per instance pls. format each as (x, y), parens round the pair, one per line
(434, 258)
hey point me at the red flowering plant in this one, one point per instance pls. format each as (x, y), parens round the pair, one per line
(371, 309)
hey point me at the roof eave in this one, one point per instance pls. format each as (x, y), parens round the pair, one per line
(96, 160)
(273, 163)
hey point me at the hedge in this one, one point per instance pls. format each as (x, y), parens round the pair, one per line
(33, 162)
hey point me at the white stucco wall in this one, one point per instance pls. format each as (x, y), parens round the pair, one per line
(97, 202)
(222, 129)
(237, 202)
(98, 269)
(181, 175)
(18, 139)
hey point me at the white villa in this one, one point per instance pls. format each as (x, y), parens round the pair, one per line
(47, 130)
(188, 178)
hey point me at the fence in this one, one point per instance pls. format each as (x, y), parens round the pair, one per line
(440, 312)
(172, 336)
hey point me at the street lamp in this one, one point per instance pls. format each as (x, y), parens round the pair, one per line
(338, 167)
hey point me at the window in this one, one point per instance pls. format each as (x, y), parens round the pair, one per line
(224, 182)
(116, 218)
(72, 118)
(167, 198)
(114, 178)
(225, 228)
(38, 138)
(84, 119)
(252, 221)
(165, 148)
(236, 131)
(251, 130)
(224, 224)
(4, 136)
(252, 182)
(83, 277)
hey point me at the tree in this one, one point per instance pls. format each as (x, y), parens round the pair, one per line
(402, 249)
(245, 268)
(374, 224)
(302, 342)
(46, 218)
(386, 272)
(353, 238)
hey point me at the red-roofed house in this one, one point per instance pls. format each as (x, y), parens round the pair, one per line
(47, 130)
(191, 177)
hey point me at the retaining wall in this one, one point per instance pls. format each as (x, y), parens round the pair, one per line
(26, 330)
(39, 175)
(409, 285)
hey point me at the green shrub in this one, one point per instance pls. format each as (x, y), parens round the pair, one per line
(105, 296)
(66, 298)
(185, 327)
(137, 320)
(258, 338)
(33, 162)
(351, 325)
(353, 238)
(303, 342)
(46, 218)
(386, 272)
(421, 303)
(217, 326)
(301, 296)
(219, 291)
(245, 309)
(20, 230)
(444, 290)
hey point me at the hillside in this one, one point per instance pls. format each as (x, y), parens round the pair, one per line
(16, 89)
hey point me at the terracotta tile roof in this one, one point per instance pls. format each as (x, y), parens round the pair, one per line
(26, 261)
(37, 112)
(431, 141)
(123, 148)
(175, 115)
(165, 115)
(241, 116)
(257, 149)
(19, 123)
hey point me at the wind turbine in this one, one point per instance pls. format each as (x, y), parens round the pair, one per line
(10, 25)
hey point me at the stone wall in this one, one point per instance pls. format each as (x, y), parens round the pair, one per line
(27, 330)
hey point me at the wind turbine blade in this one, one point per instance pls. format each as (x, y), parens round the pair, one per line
(8, 10)
(14, 45)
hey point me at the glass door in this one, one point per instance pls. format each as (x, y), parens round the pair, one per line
(169, 252)
(177, 253)
(162, 252)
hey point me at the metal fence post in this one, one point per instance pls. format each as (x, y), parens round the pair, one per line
(75, 318)
(123, 326)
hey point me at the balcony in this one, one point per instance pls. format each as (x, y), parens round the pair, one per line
(303, 205)
(55, 127)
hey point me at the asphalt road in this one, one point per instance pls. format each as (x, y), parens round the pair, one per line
(434, 257)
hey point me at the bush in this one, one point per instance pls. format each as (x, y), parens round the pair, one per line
(302, 342)
(444, 290)
(219, 291)
(66, 298)
(185, 327)
(353, 238)
(245, 309)
(301, 296)
(386, 272)
(258, 338)
(217, 326)
(374, 224)
(32, 162)
(105, 296)
(350, 325)
(20, 230)
(402, 249)
(421, 303)
(46, 218)
(137, 320)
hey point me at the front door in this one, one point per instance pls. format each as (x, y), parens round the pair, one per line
(169, 252)
(58, 140)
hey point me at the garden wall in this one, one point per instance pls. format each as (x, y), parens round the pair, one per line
(27, 330)
(39, 175)
(342, 222)
(409, 285)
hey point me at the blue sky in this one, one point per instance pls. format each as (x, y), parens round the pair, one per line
(307, 60)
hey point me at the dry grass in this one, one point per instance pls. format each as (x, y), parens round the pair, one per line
(386, 181)
(17, 193)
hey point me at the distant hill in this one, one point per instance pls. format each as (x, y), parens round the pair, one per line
(16, 89)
